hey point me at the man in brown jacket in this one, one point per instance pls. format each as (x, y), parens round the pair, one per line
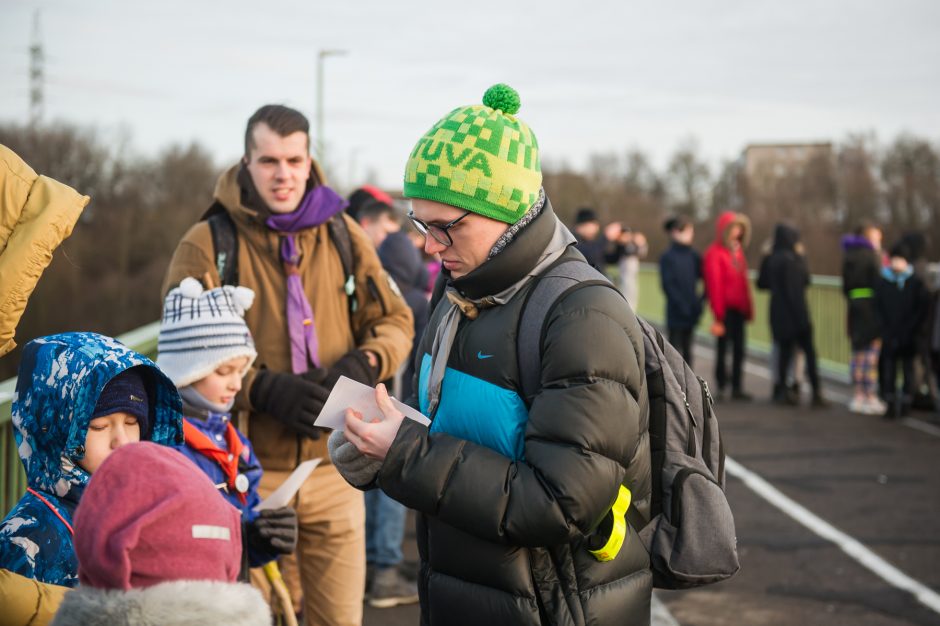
(310, 326)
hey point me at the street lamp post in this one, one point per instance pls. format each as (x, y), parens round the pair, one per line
(321, 145)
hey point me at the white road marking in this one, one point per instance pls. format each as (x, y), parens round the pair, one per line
(922, 426)
(864, 556)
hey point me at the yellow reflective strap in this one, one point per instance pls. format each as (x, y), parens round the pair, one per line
(618, 533)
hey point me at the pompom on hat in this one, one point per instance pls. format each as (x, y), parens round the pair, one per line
(202, 329)
(480, 158)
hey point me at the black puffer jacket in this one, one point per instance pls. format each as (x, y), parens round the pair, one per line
(508, 495)
(785, 274)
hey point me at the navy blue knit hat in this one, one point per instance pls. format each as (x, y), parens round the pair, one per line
(126, 393)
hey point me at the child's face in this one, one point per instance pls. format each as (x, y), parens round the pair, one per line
(899, 264)
(106, 434)
(220, 386)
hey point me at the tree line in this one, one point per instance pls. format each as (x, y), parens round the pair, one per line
(106, 277)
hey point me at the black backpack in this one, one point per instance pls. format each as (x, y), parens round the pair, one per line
(690, 536)
(225, 245)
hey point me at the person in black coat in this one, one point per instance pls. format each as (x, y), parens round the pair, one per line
(902, 301)
(593, 243)
(680, 269)
(785, 274)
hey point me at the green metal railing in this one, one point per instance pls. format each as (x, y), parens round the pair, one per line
(12, 477)
(826, 307)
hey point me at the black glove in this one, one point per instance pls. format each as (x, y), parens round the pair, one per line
(293, 399)
(273, 531)
(354, 364)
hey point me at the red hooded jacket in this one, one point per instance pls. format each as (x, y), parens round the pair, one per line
(725, 270)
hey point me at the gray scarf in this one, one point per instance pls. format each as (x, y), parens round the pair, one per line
(447, 329)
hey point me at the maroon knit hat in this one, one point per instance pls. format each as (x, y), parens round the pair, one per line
(149, 515)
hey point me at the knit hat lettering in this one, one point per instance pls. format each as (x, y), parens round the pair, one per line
(480, 158)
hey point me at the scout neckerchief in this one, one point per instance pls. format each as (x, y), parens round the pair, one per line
(228, 461)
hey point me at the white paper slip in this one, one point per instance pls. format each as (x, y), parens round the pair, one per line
(348, 394)
(288, 489)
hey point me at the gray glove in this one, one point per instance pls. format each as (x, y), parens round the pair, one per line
(359, 470)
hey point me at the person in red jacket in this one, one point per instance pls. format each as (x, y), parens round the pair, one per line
(724, 267)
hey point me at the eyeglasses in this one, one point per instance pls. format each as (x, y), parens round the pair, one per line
(439, 233)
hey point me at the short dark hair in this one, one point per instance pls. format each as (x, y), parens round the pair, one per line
(281, 119)
(677, 223)
(374, 209)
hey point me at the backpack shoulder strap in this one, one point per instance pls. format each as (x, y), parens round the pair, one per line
(550, 287)
(224, 243)
(342, 240)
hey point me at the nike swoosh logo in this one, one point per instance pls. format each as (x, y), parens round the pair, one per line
(481, 356)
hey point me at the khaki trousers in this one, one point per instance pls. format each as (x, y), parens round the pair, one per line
(331, 548)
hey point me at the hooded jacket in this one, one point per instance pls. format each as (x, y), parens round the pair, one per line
(861, 271)
(60, 379)
(785, 275)
(509, 494)
(724, 268)
(902, 302)
(36, 214)
(381, 323)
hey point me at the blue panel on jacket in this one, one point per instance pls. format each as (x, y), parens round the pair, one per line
(476, 410)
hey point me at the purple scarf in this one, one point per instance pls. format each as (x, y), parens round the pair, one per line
(317, 207)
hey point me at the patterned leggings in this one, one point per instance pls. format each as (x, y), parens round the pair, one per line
(864, 368)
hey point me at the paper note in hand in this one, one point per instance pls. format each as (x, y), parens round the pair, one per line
(348, 394)
(288, 489)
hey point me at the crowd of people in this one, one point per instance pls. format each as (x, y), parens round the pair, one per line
(149, 481)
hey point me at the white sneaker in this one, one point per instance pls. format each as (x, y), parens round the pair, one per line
(859, 405)
(874, 406)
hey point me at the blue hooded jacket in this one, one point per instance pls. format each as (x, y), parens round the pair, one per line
(60, 379)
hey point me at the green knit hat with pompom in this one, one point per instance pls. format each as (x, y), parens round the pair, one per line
(480, 158)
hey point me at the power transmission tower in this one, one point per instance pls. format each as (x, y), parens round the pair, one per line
(36, 74)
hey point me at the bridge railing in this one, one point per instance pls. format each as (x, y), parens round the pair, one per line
(826, 306)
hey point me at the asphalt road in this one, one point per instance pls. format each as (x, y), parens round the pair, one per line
(876, 481)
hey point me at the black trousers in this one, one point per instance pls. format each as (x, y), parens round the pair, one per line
(681, 340)
(734, 334)
(889, 369)
(805, 342)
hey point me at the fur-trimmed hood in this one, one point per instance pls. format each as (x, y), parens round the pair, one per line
(176, 603)
(723, 227)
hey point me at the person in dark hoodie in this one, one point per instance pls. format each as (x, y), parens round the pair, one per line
(902, 301)
(724, 268)
(785, 274)
(592, 241)
(680, 269)
(386, 585)
(861, 272)
(79, 396)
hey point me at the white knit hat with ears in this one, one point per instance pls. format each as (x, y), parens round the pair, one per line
(203, 329)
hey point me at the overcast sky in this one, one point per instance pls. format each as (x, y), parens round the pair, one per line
(592, 76)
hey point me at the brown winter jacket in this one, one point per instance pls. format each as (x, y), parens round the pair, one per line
(382, 323)
(36, 214)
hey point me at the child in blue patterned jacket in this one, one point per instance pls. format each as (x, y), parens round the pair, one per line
(205, 348)
(78, 397)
